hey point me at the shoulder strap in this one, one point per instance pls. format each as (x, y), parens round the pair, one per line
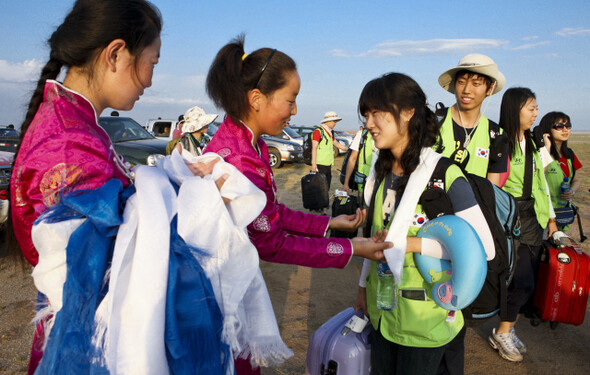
(369, 222)
(440, 170)
(528, 171)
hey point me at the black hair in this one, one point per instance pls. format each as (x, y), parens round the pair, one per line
(513, 100)
(89, 28)
(233, 74)
(546, 125)
(488, 80)
(393, 93)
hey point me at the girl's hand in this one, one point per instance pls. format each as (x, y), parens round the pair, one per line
(348, 223)
(371, 248)
(361, 301)
(201, 169)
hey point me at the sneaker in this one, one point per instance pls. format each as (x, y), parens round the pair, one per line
(517, 343)
(503, 343)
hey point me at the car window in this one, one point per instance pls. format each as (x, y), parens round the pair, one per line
(292, 133)
(8, 133)
(122, 129)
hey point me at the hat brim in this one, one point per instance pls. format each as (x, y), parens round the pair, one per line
(204, 120)
(491, 70)
(331, 119)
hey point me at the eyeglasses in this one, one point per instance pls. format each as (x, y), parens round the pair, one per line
(264, 67)
(561, 126)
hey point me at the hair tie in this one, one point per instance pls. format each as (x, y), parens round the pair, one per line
(244, 56)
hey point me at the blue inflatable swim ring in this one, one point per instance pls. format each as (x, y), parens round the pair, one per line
(456, 283)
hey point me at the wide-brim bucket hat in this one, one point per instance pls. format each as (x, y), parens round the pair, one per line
(331, 116)
(476, 63)
(196, 119)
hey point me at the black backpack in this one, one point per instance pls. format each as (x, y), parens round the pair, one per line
(357, 179)
(307, 143)
(501, 213)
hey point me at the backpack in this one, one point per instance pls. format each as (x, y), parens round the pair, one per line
(307, 145)
(501, 213)
(357, 179)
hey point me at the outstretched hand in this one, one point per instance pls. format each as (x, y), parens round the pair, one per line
(201, 169)
(371, 248)
(348, 223)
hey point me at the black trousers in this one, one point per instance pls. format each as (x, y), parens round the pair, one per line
(523, 282)
(326, 170)
(389, 358)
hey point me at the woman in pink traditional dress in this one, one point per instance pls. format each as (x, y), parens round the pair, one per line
(258, 93)
(109, 49)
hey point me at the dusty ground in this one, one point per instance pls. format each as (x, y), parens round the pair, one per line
(304, 298)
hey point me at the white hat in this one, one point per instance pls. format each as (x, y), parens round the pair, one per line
(196, 119)
(331, 116)
(475, 63)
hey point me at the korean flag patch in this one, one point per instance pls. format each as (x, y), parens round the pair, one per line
(419, 219)
(482, 153)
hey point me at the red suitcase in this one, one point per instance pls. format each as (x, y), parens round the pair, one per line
(563, 281)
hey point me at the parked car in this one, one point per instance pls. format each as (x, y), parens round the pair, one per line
(9, 139)
(132, 141)
(279, 150)
(343, 134)
(5, 168)
(289, 134)
(305, 130)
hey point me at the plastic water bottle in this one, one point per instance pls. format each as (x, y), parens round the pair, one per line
(564, 188)
(386, 290)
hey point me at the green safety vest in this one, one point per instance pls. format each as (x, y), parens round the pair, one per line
(413, 323)
(515, 181)
(478, 148)
(325, 150)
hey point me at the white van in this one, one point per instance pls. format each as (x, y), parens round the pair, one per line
(164, 129)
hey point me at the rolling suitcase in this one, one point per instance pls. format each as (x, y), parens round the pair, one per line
(344, 205)
(314, 191)
(563, 281)
(340, 346)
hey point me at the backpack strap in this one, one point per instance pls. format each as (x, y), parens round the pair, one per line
(528, 172)
(364, 136)
(369, 223)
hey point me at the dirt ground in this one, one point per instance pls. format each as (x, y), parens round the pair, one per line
(304, 298)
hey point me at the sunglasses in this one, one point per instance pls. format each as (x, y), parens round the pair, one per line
(561, 126)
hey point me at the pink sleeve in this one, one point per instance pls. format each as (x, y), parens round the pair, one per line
(285, 236)
(299, 223)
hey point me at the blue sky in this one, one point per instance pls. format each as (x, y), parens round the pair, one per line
(338, 46)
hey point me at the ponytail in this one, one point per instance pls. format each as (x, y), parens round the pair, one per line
(50, 71)
(234, 73)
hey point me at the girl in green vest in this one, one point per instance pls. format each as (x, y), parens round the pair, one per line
(526, 182)
(412, 336)
(565, 163)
